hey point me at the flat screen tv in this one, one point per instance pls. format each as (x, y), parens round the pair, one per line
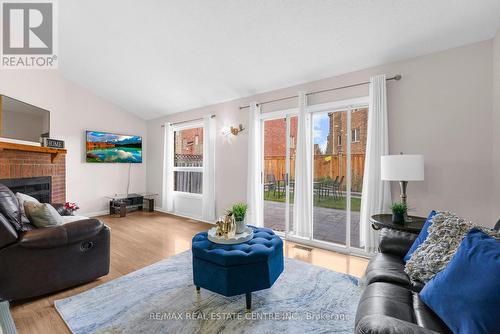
(111, 147)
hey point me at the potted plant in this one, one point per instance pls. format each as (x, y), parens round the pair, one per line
(71, 208)
(239, 211)
(399, 211)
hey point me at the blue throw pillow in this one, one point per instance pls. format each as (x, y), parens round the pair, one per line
(465, 294)
(421, 236)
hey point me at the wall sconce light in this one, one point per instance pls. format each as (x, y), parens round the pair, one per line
(232, 130)
(236, 131)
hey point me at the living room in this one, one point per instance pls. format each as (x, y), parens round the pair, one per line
(317, 167)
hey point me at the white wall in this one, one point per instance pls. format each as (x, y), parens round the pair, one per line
(496, 127)
(441, 108)
(74, 110)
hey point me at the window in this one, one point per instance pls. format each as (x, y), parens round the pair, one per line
(339, 140)
(355, 135)
(188, 160)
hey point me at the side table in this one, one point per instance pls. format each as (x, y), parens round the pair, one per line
(413, 225)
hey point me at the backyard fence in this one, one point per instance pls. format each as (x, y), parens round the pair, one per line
(188, 181)
(325, 167)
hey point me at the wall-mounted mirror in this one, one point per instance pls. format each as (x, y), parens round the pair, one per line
(22, 121)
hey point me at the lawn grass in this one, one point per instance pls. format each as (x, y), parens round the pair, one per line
(322, 202)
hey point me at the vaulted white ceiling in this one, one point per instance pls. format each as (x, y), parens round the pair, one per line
(156, 57)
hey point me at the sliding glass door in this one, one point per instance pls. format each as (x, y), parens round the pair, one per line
(338, 165)
(279, 137)
(338, 139)
(359, 130)
(330, 177)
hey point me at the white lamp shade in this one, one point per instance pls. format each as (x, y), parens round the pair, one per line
(402, 167)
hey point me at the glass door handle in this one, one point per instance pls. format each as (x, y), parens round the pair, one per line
(286, 179)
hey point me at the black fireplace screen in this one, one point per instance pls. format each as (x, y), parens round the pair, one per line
(37, 187)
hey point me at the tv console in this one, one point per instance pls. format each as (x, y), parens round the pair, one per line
(120, 204)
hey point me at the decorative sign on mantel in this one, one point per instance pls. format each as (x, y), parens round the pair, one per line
(53, 143)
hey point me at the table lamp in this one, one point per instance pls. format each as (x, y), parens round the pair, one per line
(402, 168)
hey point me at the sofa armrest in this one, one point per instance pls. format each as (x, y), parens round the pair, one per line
(395, 242)
(382, 324)
(8, 234)
(61, 209)
(61, 235)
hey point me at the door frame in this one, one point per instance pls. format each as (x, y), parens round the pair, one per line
(285, 114)
(340, 105)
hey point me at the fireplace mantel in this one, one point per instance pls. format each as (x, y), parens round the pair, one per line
(18, 161)
(29, 148)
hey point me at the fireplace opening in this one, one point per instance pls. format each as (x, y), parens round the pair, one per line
(37, 187)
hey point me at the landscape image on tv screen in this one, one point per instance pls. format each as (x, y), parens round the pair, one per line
(110, 147)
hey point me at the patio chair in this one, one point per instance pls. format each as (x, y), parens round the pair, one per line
(292, 185)
(281, 186)
(270, 185)
(329, 186)
(338, 186)
(317, 185)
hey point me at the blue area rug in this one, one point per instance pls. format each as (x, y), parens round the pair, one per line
(161, 298)
(6, 323)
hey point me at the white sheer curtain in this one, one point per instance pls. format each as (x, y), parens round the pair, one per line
(168, 174)
(209, 128)
(254, 185)
(376, 193)
(302, 208)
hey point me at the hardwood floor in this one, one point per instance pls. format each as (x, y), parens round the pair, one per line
(143, 238)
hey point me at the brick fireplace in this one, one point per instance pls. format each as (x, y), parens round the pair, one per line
(22, 161)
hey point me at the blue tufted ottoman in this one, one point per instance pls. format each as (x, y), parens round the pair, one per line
(238, 269)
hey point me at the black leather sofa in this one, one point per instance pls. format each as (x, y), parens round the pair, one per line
(390, 302)
(39, 261)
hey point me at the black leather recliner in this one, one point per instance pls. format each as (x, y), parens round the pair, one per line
(44, 260)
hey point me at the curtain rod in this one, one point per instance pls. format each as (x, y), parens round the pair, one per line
(191, 120)
(396, 77)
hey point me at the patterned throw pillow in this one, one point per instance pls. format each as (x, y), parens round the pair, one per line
(22, 198)
(445, 235)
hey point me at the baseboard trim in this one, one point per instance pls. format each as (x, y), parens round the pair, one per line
(93, 214)
(160, 209)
